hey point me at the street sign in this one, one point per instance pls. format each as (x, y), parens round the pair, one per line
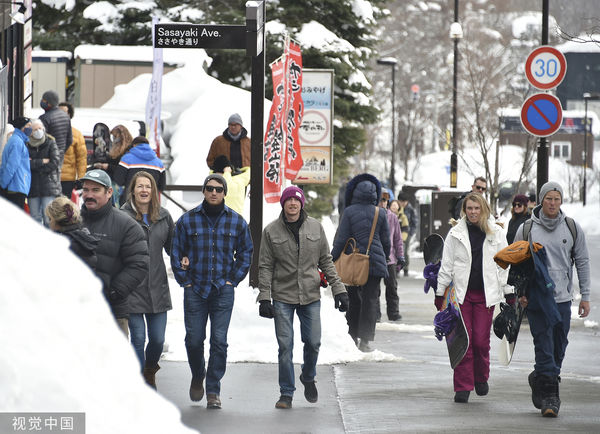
(545, 67)
(541, 114)
(177, 35)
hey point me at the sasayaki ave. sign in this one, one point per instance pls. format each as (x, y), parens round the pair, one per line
(545, 67)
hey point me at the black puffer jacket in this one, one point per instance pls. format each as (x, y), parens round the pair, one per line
(58, 124)
(153, 295)
(514, 223)
(362, 196)
(123, 259)
(83, 244)
(45, 179)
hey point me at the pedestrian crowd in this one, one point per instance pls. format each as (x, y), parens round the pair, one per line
(121, 232)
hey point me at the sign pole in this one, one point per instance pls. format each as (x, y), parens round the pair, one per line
(542, 154)
(255, 20)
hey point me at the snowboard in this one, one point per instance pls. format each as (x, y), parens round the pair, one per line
(433, 247)
(457, 339)
(507, 347)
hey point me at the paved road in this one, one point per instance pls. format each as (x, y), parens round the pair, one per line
(411, 395)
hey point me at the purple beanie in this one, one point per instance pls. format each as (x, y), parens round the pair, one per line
(292, 191)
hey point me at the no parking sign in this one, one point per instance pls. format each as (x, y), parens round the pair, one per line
(541, 114)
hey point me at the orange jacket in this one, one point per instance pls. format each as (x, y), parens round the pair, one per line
(75, 163)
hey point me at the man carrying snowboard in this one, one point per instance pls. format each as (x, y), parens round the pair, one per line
(468, 264)
(565, 245)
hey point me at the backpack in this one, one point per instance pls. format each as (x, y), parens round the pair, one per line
(570, 224)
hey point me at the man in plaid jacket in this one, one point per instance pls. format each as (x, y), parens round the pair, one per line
(211, 255)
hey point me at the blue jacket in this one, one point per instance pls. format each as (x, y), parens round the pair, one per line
(362, 196)
(140, 157)
(15, 171)
(218, 253)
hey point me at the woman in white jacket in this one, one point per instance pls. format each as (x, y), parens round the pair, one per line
(468, 263)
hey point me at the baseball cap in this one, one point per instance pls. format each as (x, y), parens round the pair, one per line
(99, 176)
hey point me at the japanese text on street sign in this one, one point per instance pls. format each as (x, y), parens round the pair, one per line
(177, 35)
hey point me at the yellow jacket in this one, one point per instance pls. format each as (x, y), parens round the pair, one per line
(403, 224)
(75, 163)
(236, 189)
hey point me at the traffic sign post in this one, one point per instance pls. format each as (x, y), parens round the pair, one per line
(541, 115)
(545, 67)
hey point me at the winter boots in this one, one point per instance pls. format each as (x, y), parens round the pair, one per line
(149, 374)
(482, 389)
(548, 387)
(536, 396)
(310, 390)
(197, 389)
(462, 396)
(285, 402)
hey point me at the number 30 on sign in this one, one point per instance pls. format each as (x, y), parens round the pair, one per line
(545, 67)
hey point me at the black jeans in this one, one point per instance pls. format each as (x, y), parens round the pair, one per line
(391, 293)
(17, 198)
(362, 312)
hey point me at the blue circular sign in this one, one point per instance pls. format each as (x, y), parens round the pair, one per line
(541, 115)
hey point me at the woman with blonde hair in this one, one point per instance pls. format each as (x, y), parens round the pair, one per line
(480, 284)
(149, 302)
(65, 219)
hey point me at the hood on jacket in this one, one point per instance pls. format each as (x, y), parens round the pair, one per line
(363, 188)
(243, 133)
(143, 151)
(548, 224)
(83, 236)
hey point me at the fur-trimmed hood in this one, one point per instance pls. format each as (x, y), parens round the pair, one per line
(363, 188)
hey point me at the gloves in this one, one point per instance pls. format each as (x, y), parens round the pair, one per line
(266, 309)
(341, 301)
(400, 264)
(439, 300)
(323, 279)
(510, 299)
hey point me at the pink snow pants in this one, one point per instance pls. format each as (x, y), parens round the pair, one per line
(475, 365)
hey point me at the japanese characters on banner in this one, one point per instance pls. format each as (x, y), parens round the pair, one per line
(295, 109)
(273, 148)
(282, 155)
(153, 103)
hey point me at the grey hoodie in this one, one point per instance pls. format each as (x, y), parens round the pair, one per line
(555, 236)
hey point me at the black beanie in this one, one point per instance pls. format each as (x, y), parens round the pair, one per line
(20, 122)
(220, 163)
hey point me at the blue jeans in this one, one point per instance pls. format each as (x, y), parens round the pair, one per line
(156, 323)
(310, 332)
(37, 208)
(550, 343)
(218, 306)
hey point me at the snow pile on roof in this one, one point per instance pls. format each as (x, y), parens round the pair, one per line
(133, 53)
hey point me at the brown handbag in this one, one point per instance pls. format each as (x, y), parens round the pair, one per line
(353, 268)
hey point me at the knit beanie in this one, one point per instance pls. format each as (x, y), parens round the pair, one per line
(235, 119)
(522, 199)
(292, 191)
(220, 163)
(217, 178)
(548, 187)
(20, 122)
(51, 97)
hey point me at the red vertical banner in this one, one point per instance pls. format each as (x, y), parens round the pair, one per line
(274, 150)
(294, 110)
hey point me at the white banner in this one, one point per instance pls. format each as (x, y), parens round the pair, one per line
(153, 103)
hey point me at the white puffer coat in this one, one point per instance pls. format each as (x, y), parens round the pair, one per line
(456, 264)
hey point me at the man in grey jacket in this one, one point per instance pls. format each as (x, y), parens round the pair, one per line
(563, 248)
(292, 249)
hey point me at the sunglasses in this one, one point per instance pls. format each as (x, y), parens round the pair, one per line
(516, 204)
(211, 188)
(480, 188)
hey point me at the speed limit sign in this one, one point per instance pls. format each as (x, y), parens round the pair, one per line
(545, 67)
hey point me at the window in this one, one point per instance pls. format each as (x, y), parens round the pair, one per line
(561, 150)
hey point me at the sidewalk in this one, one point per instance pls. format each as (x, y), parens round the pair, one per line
(412, 395)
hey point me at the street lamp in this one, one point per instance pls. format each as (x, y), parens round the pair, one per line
(586, 97)
(390, 61)
(456, 33)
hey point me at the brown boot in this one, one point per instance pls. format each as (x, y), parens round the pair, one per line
(149, 374)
